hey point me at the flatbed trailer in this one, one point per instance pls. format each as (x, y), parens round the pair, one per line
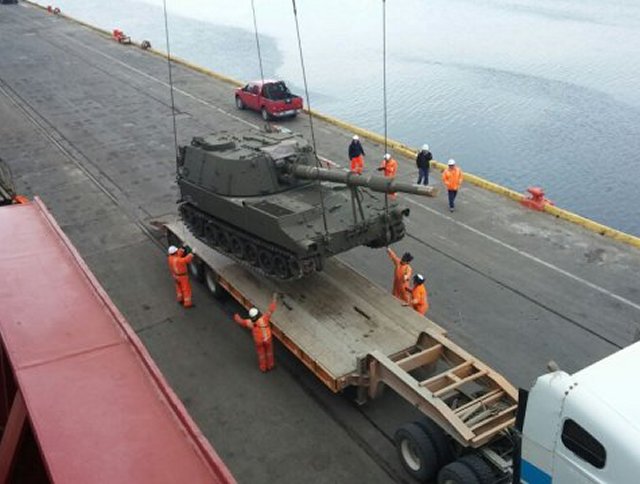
(351, 333)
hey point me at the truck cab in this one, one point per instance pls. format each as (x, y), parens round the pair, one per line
(585, 427)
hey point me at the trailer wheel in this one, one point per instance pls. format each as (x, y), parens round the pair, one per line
(470, 469)
(416, 452)
(215, 289)
(480, 468)
(196, 269)
(439, 440)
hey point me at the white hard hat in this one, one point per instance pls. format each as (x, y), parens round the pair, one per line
(253, 312)
(356, 137)
(172, 249)
(425, 147)
(387, 156)
(451, 162)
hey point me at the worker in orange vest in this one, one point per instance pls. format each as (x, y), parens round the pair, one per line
(356, 155)
(452, 179)
(419, 295)
(260, 326)
(178, 260)
(389, 167)
(401, 275)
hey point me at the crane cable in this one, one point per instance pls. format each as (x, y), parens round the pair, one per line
(173, 104)
(255, 28)
(384, 102)
(313, 137)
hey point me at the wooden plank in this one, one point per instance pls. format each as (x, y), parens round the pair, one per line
(424, 357)
(458, 384)
(487, 421)
(481, 439)
(435, 382)
(484, 399)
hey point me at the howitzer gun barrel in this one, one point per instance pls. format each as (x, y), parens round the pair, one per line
(375, 183)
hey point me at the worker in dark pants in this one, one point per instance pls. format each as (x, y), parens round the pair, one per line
(260, 326)
(423, 161)
(452, 179)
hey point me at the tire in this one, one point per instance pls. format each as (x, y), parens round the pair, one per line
(265, 114)
(439, 439)
(470, 469)
(239, 103)
(196, 269)
(480, 467)
(457, 473)
(416, 452)
(214, 287)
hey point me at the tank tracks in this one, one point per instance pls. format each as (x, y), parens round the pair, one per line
(256, 254)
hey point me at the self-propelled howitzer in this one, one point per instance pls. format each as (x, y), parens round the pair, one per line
(261, 199)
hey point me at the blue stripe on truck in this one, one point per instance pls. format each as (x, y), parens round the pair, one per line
(533, 475)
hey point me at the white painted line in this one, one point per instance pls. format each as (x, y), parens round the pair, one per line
(548, 265)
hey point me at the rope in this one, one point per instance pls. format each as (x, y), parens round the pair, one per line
(173, 105)
(255, 28)
(313, 136)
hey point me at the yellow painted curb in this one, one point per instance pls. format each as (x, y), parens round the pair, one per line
(392, 144)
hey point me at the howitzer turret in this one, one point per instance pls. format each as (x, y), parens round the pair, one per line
(260, 199)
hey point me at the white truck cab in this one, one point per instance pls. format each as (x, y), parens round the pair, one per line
(585, 427)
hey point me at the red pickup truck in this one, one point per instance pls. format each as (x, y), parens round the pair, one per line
(271, 98)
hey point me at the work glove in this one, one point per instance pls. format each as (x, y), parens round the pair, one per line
(187, 249)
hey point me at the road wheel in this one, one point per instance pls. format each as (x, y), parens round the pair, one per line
(251, 253)
(438, 438)
(265, 261)
(237, 247)
(470, 469)
(239, 103)
(416, 452)
(214, 287)
(196, 269)
(281, 267)
(265, 114)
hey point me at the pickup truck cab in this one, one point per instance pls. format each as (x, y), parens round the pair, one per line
(271, 98)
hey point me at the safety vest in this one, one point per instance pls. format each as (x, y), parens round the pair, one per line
(452, 178)
(261, 330)
(390, 167)
(178, 265)
(419, 299)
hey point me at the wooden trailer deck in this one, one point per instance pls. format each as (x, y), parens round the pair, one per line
(330, 319)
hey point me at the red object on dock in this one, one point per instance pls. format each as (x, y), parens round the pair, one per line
(536, 199)
(121, 37)
(81, 400)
